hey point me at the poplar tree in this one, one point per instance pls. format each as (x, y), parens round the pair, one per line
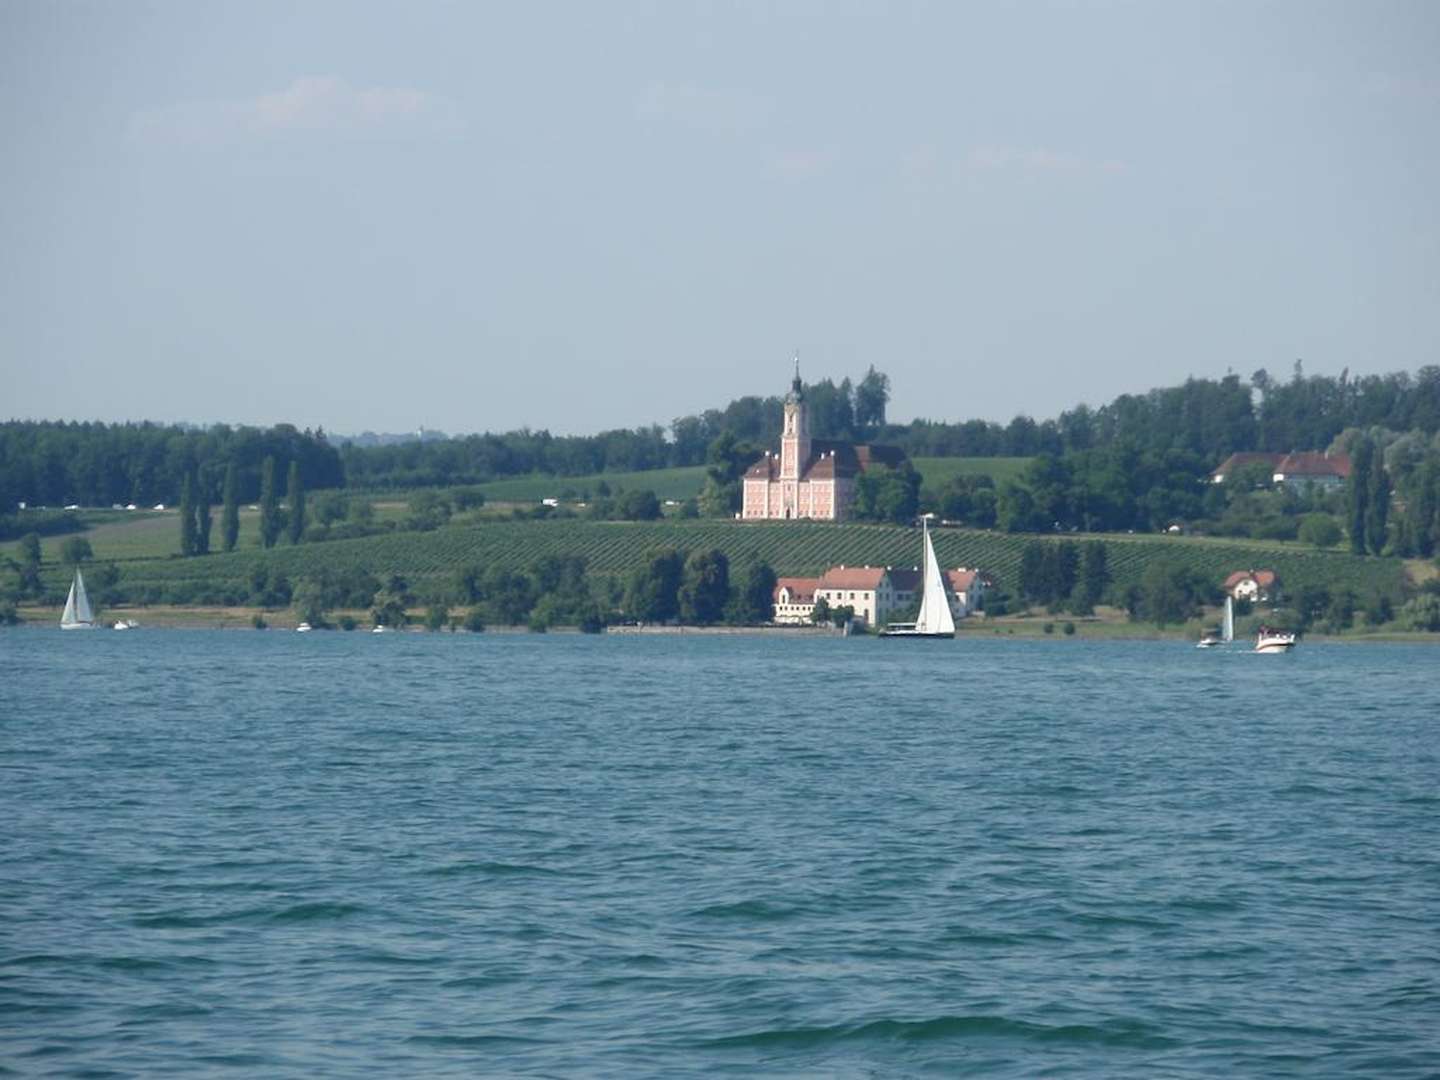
(230, 515)
(187, 516)
(203, 522)
(269, 505)
(1423, 506)
(1378, 511)
(1359, 500)
(295, 494)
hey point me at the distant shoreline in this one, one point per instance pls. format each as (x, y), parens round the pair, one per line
(1022, 628)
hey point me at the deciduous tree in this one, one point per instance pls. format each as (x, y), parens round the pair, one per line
(704, 587)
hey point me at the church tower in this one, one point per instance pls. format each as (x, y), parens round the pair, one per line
(795, 440)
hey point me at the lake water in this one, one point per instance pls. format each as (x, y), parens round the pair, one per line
(240, 853)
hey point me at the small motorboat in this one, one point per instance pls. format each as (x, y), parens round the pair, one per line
(1270, 640)
(303, 628)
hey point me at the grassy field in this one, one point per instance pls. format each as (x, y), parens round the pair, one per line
(681, 483)
(936, 472)
(127, 535)
(614, 548)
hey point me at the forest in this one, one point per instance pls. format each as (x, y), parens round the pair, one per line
(1138, 462)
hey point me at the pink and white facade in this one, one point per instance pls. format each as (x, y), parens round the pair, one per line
(808, 478)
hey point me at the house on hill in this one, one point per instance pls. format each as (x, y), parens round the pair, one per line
(1310, 467)
(809, 478)
(1298, 468)
(1252, 585)
(1235, 462)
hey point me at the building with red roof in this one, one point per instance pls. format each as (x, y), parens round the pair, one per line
(1312, 467)
(809, 478)
(873, 592)
(1252, 585)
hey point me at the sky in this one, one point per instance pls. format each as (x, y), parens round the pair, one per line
(582, 216)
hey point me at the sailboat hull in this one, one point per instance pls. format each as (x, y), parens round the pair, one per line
(891, 632)
(78, 626)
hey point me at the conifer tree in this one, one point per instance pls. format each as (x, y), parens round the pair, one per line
(230, 515)
(1378, 511)
(269, 505)
(187, 516)
(295, 494)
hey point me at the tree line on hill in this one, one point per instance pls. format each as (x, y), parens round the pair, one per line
(56, 464)
(1202, 421)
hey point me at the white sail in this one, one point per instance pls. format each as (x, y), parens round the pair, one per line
(77, 607)
(934, 617)
(1228, 630)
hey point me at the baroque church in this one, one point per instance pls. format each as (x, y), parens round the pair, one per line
(809, 478)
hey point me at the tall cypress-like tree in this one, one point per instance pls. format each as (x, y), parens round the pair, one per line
(295, 494)
(230, 515)
(1094, 574)
(1377, 513)
(1423, 506)
(187, 516)
(1359, 501)
(269, 505)
(203, 521)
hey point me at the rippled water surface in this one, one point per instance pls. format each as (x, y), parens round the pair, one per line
(289, 855)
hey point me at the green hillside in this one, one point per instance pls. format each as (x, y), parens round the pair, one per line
(676, 483)
(805, 548)
(682, 483)
(939, 471)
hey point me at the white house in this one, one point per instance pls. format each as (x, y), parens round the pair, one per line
(795, 600)
(1252, 585)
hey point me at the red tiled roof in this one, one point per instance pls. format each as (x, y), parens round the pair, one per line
(831, 458)
(1304, 463)
(1247, 457)
(802, 589)
(851, 577)
(1264, 578)
(764, 469)
(961, 580)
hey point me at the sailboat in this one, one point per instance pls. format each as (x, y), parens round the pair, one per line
(78, 615)
(934, 619)
(1227, 629)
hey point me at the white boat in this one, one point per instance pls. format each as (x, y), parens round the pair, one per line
(379, 629)
(1270, 640)
(303, 628)
(78, 615)
(1227, 629)
(934, 619)
(125, 624)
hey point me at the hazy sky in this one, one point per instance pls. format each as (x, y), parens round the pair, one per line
(579, 216)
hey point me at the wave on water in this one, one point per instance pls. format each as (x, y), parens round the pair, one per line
(471, 1042)
(296, 913)
(494, 869)
(761, 910)
(1128, 1033)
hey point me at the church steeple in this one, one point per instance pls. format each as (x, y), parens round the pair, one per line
(795, 440)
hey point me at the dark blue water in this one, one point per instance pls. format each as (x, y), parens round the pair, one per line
(290, 855)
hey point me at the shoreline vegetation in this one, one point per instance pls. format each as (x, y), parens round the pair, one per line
(1110, 626)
